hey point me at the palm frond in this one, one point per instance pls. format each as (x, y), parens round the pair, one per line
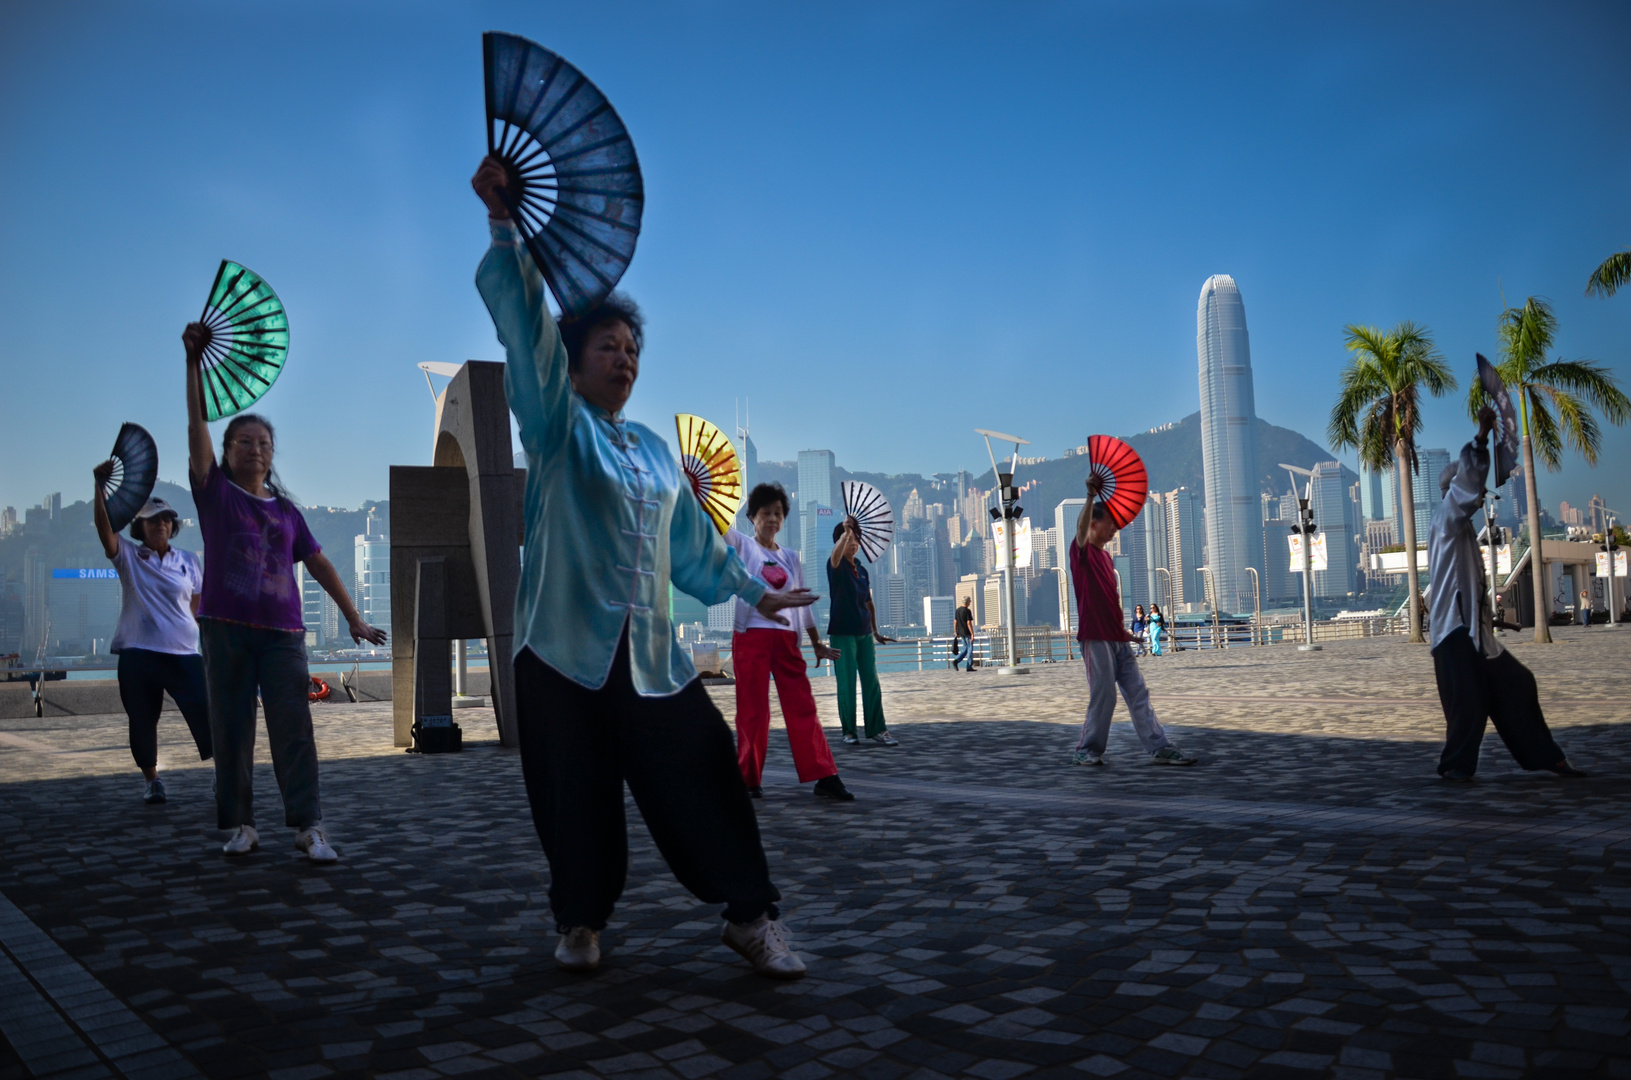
(1588, 380)
(1526, 336)
(1544, 436)
(1607, 278)
(1576, 423)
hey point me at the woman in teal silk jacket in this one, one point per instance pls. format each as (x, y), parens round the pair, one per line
(604, 694)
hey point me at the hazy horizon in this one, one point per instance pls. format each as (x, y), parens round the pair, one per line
(882, 226)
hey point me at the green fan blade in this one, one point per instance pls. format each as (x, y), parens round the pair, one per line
(248, 340)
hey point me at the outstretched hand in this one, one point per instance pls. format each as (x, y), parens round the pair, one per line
(361, 631)
(492, 183)
(772, 602)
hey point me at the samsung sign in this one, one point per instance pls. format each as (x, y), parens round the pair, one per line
(105, 572)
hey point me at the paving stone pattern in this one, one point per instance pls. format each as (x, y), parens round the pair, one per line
(1309, 900)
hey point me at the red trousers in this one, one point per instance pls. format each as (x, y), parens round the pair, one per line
(757, 654)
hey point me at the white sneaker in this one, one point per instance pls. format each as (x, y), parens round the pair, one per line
(579, 950)
(244, 840)
(766, 946)
(312, 841)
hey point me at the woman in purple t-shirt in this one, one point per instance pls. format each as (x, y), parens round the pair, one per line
(250, 621)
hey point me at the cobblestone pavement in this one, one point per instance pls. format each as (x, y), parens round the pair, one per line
(1309, 900)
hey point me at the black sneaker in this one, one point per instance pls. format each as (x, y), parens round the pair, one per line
(830, 787)
(1457, 776)
(1564, 769)
(155, 792)
(756, 792)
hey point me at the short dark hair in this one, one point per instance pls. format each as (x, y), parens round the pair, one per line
(838, 530)
(617, 307)
(764, 494)
(1100, 511)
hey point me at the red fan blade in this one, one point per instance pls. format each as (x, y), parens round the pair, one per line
(1123, 482)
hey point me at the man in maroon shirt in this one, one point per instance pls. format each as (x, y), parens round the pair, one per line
(1106, 649)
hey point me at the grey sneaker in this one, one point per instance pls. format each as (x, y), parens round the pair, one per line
(1171, 755)
(1086, 757)
(579, 950)
(312, 841)
(155, 791)
(852, 740)
(244, 840)
(766, 946)
(883, 738)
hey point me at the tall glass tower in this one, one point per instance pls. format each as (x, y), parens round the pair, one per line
(1234, 524)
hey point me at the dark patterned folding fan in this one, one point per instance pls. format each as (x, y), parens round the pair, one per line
(1506, 444)
(1117, 478)
(867, 505)
(574, 191)
(248, 340)
(135, 470)
(709, 461)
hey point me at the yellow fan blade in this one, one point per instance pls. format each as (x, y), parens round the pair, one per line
(709, 462)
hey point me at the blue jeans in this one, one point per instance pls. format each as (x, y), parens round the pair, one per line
(964, 650)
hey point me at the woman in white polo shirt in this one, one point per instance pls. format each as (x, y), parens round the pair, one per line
(157, 637)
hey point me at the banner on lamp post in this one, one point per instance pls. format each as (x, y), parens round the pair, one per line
(1022, 543)
(1320, 559)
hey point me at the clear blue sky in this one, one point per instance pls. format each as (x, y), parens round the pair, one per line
(885, 224)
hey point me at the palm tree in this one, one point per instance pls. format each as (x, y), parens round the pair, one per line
(1378, 411)
(1607, 278)
(1553, 398)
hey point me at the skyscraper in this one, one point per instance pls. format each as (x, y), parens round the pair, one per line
(1234, 523)
(1333, 515)
(817, 498)
(747, 460)
(1183, 548)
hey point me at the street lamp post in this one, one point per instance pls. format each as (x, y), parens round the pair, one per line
(1257, 603)
(1211, 600)
(1610, 547)
(1009, 512)
(1305, 527)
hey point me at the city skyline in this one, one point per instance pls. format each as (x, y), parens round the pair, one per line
(1066, 318)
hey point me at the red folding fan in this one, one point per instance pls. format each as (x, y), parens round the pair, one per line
(1117, 478)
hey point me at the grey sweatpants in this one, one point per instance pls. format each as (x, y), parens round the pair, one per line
(240, 660)
(1109, 664)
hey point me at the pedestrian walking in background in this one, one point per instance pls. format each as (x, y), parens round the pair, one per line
(963, 635)
(604, 694)
(764, 648)
(1585, 608)
(852, 628)
(1106, 650)
(250, 621)
(156, 639)
(1478, 680)
(1140, 630)
(1156, 628)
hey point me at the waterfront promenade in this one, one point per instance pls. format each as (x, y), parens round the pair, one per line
(1309, 900)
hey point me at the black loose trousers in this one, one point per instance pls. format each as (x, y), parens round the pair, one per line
(1475, 689)
(677, 754)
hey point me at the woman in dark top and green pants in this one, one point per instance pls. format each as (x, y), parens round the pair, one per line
(852, 629)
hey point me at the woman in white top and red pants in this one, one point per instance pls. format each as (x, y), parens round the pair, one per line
(761, 647)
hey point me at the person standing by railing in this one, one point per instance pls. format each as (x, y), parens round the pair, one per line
(1140, 630)
(852, 627)
(157, 636)
(1106, 650)
(1156, 628)
(963, 635)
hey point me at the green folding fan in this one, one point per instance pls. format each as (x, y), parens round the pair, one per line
(247, 342)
